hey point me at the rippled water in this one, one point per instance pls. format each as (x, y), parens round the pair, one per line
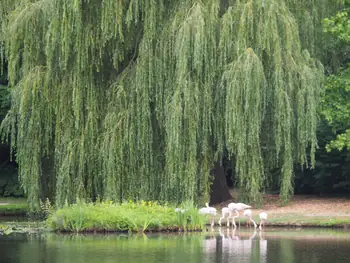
(220, 245)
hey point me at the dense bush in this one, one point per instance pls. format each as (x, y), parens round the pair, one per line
(129, 216)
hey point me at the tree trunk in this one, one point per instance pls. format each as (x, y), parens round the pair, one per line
(47, 183)
(219, 190)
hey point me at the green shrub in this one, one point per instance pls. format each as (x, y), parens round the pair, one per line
(128, 216)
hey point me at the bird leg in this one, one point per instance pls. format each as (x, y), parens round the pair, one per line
(253, 222)
(233, 221)
(239, 221)
(261, 224)
(233, 218)
(234, 237)
(221, 219)
(254, 234)
(228, 219)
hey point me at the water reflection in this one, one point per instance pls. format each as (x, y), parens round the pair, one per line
(263, 247)
(231, 244)
(219, 245)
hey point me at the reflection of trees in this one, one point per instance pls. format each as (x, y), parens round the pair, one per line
(113, 248)
(287, 251)
(227, 245)
(10, 247)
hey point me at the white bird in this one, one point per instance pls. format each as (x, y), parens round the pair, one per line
(236, 207)
(225, 212)
(207, 210)
(248, 213)
(263, 218)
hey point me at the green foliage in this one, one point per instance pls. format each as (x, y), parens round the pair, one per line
(335, 102)
(189, 218)
(336, 99)
(309, 15)
(5, 230)
(342, 141)
(339, 24)
(245, 78)
(336, 108)
(43, 213)
(331, 174)
(138, 99)
(128, 216)
(5, 100)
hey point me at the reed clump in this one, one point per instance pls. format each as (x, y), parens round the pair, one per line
(108, 216)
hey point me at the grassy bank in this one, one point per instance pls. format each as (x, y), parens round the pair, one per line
(302, 211)
(13, 206)
(144, 216)
(298, 220)
(129, 216)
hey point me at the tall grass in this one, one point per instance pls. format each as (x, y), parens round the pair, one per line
(129, 216)
(188, 218)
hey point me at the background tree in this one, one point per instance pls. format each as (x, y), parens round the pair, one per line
(336, 105)
(9, 185)
(141, 99)
(331, 173)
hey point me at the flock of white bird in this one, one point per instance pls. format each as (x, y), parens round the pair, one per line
(229, 211)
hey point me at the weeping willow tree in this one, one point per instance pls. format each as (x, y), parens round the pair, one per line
(320, 45)
(138, 99)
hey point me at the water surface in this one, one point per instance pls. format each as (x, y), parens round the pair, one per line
(220, 245)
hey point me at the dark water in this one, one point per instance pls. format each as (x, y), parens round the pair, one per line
(274, 245)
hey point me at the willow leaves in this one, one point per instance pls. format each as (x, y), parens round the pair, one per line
(139, 98)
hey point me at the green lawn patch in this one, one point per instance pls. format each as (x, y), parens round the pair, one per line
(295, 220)
(129, 216)
(309, 221)
(13, 207)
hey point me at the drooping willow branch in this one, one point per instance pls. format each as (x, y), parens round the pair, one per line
(138, 99)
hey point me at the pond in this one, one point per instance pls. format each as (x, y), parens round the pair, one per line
(220, 245)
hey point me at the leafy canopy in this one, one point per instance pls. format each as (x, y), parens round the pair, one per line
(138, 98)
(336, 100)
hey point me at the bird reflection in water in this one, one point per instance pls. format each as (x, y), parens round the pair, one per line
(263, 247)
(230, 244)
